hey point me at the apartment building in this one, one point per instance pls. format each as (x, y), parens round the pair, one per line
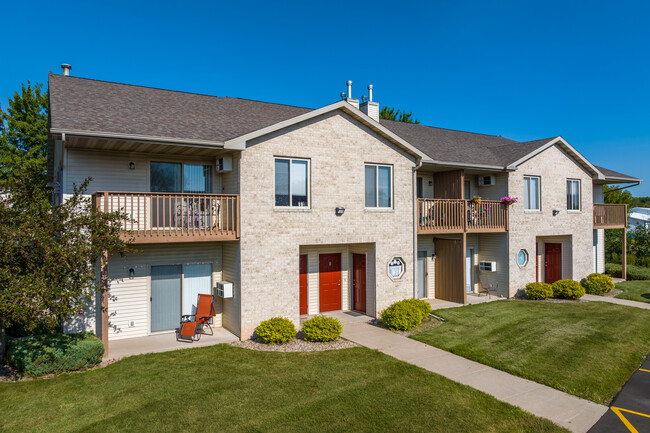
(289, 211)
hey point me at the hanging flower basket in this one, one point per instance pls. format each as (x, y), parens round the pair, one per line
(509, 200)
(476, 200)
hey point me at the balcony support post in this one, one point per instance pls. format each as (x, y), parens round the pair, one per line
(624, 249)
(103, 282)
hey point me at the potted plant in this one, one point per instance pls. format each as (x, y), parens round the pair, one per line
(476, 200)
(509, 200)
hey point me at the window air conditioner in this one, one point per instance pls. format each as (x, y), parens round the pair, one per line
(224, 163)
(224, 289)
(487, 266)
(486, 180)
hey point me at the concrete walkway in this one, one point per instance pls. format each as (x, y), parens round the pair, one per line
(612, 300)
(118, 349)
(576, 414)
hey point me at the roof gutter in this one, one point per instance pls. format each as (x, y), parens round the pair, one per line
(623, 187)
(138, 138)
(432, 162)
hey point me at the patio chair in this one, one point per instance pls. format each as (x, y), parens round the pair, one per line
(487, 287)
(191, 330)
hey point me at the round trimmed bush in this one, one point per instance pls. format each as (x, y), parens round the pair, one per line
(405, 315)
(321, 328)
(597, 284)
(278, 330)
(538, 291)
(568, 289)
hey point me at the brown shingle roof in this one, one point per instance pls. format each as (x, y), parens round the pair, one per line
(615, 175)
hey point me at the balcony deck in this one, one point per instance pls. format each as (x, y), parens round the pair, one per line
(610, 216)
(173, 217)
(461, 216)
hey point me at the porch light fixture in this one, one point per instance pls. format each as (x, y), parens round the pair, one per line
(339, 211)
(556, 212)
(132, 165)
(131, 273)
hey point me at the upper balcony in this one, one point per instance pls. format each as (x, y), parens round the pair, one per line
(174, 217)
(610, 216)
(461, 216)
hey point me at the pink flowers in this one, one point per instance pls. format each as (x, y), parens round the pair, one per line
(509, 200)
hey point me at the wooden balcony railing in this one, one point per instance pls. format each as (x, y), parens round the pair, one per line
(174, 217)
(458, 216)
(610, 216)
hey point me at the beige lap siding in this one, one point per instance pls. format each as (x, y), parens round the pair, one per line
(493, 247)
(129, 298)
(425, 243)
(554, 166)
(337, 147)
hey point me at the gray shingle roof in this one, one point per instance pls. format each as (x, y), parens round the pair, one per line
(82, 104)
(615, 175)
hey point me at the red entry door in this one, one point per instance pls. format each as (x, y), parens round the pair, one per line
(329, 287)
(552, 262)
(359, 281)
(303, 284)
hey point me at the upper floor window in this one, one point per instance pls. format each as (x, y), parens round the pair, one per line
(531, 192)
(176, 177)
(573, 194)
(291, 182)
(378, 186)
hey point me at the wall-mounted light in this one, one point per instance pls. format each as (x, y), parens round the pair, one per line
(131, 273)
(339, 211)
(430, 183)
(132, 165)
(556, 212)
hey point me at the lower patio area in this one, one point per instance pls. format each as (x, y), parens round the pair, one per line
(118, 349)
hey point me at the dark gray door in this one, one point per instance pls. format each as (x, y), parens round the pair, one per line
(165, 297)
(422, 274)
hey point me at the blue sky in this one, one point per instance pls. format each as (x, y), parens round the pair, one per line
(525, 70)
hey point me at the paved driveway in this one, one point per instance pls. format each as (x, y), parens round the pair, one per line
(630, 410)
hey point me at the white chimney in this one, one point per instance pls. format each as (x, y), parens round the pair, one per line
(370, 108)
(66, 69)
(351, 101)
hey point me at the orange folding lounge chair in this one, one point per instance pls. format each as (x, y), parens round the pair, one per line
(191, 330)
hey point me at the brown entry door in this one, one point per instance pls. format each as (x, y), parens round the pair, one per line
(303, 284)
(450, 259)
(329, 287)
(359, 281)
(552, 262)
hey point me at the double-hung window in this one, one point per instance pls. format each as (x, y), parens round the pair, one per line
(291, 182)
(573, 194)
(379, 184)
(531, 193)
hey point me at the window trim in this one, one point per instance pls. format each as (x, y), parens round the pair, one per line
(527, 255)
(182, 163)
(568, 181)
(290, 206)
(539, 193)
(392, 189)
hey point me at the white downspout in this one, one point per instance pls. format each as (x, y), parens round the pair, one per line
(415, 227)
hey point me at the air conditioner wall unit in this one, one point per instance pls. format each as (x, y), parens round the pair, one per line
(487, 266)
(224, 289)
(224, 163)
(486, 180)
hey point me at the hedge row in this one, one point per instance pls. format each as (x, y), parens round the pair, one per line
(633, 272)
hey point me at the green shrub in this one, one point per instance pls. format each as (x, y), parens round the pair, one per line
(278, 330)
(321, 328)
(56, 353)
(567, 289)
(633, 272)
(597, 284)
(405, 315)
(538, 291)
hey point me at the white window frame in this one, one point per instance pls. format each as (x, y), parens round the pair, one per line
(392, 189)
(568, 181)
(290, 205)
(539, 193)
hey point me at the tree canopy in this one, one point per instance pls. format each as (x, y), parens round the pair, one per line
(390, 113)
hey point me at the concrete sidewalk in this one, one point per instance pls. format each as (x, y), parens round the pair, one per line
(611, 300)
(576, 414)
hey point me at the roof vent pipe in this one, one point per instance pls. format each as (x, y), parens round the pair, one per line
(370, 92)
(353, 102)
(66, 69)
(349, 83)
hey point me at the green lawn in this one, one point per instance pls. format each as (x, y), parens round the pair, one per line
(223, 388)
(588, 349)
(635, 290)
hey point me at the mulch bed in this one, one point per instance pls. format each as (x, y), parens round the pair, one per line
(298, 344)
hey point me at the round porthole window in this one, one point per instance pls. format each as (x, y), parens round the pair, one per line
(396, 268)
(522, 258)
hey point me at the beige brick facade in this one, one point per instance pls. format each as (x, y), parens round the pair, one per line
(574, 229)
(337, 147)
